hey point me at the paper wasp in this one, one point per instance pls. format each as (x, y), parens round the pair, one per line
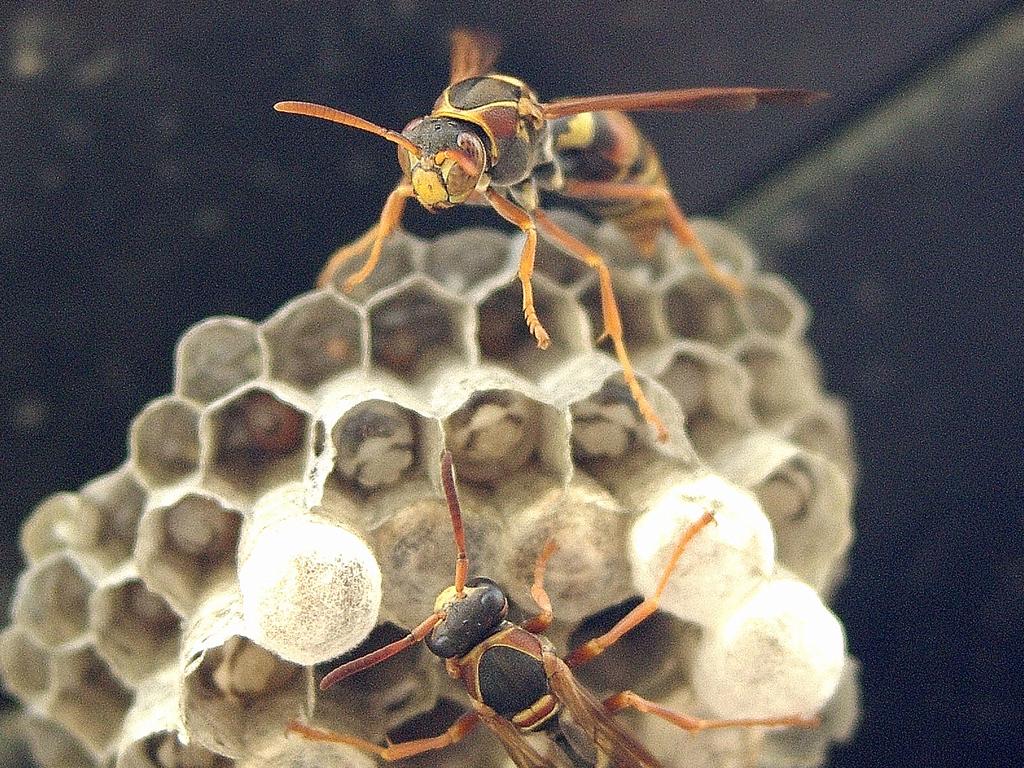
(489, 140)
(516, 682)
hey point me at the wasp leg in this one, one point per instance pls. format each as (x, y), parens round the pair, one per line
(390, 216)
(609, 311)
(609, 190)
(516, 215)
(627, 699)
(541, 621)
(459, 730)
(343, 254)
(600, 644)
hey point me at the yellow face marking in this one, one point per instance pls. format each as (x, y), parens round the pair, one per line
(448, 595)
(428, 187)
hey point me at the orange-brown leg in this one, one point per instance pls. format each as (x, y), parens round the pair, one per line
(516, 215)
(599, 644)
(607, 190)
(541, 621)
(343, 254)
(390, 216)
(628, 699)
(459, 729)
(609, 312)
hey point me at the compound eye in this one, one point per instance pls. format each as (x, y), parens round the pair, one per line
(412, 124)
(472, 146)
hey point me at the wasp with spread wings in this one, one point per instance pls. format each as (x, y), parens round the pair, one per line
(517, 683)
(489, 140)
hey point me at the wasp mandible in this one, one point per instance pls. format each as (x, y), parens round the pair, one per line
(516, 682)
(490, 140)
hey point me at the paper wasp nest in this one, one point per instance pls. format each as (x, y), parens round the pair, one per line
(282, 504)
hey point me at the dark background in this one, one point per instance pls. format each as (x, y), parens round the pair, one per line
(145, 183)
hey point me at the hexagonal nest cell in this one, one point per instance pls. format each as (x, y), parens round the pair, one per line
(130, 643)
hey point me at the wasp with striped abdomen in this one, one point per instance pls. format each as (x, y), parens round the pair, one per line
(516, 682)
(490, 140)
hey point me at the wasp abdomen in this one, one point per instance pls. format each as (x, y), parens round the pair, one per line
(608, 147)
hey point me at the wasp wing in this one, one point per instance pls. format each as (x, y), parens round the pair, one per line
(680, 100)
(473, 54)
(589, 714)
(517, 746)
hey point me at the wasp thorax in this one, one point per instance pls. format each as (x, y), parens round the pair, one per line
(450, 165)
(469, 619)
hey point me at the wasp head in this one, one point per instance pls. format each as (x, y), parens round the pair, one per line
(451, 162)
(468, 620)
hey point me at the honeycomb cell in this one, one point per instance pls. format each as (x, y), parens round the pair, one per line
(149, 737)
(471, 261)
(771, 307)
(52, 600)
(88, 700)
(416, 549)
(135, 630)
(714, 393)
(777, 652)
(237, 697)
(795, 747)
(312, 339)
(418, 329)
(496, 433)
(186, 547)
(217, 356)
(52, 745)
(589, 569)
(120, 499)
(164, 441)
(61, 521)
(785, 378)
(721, 563)
(808, 504)
(257, 441)
(165, 750)
(643, 316)
(806, 498)
(379, 699)
(375, 445)
(24, 665)
(504, 338)
(310, 586)
(825, 430)
(402, 256)
(607, 424)
(621, 254)
(730, 250)
(698, 308)
(294, 752)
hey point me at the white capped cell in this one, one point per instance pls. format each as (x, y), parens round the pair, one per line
(311, 588)
(722, 561)
(779, 652)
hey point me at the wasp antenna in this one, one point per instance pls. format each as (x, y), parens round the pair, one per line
(381, 654)
(344, 118)
(461, 559)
